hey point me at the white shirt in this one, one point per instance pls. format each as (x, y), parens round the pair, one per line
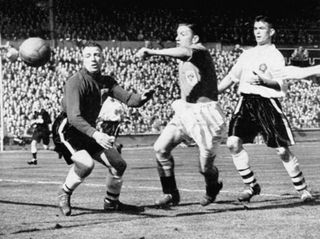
(111, 110)
(266, 58)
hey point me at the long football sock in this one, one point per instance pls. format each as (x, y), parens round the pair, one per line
(241, 162)
(72, 181)
(114, 185)
(296, 175)
(168, 184)
(34, 156)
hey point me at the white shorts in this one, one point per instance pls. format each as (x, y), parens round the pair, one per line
(202, 122)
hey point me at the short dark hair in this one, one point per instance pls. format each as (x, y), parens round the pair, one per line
(92, 44)
(195, 28)
(263, 18)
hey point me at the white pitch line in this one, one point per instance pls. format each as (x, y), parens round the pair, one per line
(129, 187)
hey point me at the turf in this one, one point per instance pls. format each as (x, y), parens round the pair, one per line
(28, 196)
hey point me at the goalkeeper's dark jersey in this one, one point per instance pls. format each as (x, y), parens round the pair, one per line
(82, 98)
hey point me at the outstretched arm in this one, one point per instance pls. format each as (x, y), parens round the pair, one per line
(285, 73)
(295, 72)
(176, 52)
(131, 99)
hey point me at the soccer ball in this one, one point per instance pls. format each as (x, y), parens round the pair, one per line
(35, 51)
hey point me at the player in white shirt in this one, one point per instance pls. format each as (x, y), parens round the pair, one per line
(110, 118)
(261, 83)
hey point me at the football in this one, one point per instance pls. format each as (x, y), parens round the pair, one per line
(35, 51)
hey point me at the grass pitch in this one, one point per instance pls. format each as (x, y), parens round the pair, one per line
(28, 199)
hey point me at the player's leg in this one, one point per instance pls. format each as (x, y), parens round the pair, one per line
(291, 164)
(207, 128)
(35, 139)
(243, 129)
(46, 140)
(116, 165)
(72, 147)
(240, 159)
(210, 173)
(278, 134)
(169, 139)
(83, 165)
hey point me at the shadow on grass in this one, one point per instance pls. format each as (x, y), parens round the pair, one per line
(171, 212)
(285, 202)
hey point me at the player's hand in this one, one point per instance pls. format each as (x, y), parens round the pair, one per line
(147, 95)
(143, 53)
(103, 139)
(257, 78)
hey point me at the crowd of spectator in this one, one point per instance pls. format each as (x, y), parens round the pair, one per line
(76, 20)
(105, 20)
(24, 85)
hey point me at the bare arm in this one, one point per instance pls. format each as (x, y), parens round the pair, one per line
(226, 83)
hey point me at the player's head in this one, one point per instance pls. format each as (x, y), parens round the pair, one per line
(263, 30)
(188, 33)
(92, 56)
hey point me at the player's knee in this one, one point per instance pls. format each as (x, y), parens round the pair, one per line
(120, 167)
(206, 162)
(33, 143)
(234, 144)
(284, 153)
(83, 160)
(160, 152)
(83, 170)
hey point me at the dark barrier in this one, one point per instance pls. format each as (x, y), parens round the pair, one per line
(140, 140)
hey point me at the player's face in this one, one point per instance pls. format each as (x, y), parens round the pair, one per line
(262, 32)
(184, 36)
(92, 59)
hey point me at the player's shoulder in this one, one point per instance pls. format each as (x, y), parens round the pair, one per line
(276, 50)
(74, 77)
(108, 81)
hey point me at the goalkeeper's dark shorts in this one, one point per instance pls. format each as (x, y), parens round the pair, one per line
(68, 139)
(255, 114)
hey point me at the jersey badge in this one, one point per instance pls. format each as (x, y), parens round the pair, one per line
(191, 77)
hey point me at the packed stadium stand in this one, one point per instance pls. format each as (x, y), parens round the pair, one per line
(78, 21)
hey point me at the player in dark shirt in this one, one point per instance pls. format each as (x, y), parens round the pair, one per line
(75, 134)
(198, 116)
(40, 125)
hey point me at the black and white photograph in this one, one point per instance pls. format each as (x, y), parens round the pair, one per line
(161, 119)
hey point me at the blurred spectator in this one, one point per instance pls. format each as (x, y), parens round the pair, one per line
(237, 49)
(25, 85)
(138, 21)
(300, 57)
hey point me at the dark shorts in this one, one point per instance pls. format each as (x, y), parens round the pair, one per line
(41, 133)
(69, 140)
(255, 114)
(110, 127)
